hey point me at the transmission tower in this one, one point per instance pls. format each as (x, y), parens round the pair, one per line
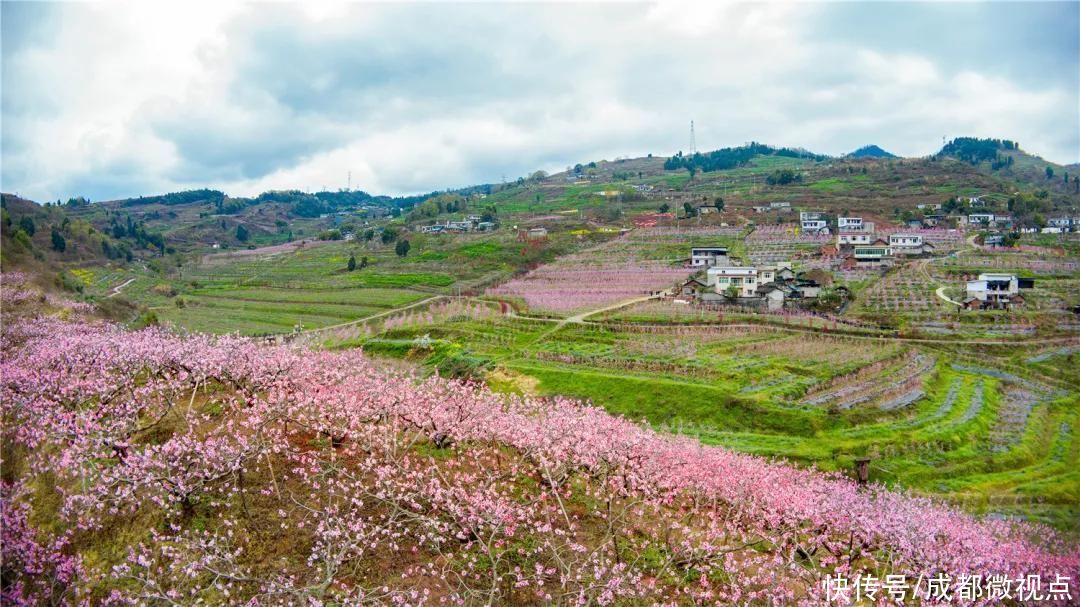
(693, 142)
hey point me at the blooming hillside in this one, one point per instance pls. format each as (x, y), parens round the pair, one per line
(579, 282)
(147, 468)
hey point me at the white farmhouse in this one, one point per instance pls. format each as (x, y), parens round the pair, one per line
(746, 279)
(994, 290)
(905, 240)
(813, 222)
(848, 239)
(743, 279)
(854, 231)
(708, 256)
(1064, 222)
(849, 223)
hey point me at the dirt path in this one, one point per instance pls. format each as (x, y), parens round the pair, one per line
(940, 292)
(578, 319)
(117, 288)
(372, 317)
(211, 259)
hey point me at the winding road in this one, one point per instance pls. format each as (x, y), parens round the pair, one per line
(940, 292)
(116, 290)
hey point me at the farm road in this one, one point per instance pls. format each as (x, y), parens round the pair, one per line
(116, 290)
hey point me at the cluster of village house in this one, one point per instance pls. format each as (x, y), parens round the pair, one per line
(472, 223)
(859, 245)
(777, 286)
(934, 217)
(770, 286)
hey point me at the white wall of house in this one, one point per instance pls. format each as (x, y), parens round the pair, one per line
(708, 256)
(993, 287)
(905, 240)
(853, 238)
(743, 278)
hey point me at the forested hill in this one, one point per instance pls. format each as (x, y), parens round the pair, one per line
(871, 151)
(1005, 158)
(730, 158)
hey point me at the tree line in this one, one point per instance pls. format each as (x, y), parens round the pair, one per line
(730, 158)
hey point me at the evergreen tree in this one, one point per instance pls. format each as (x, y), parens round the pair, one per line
(58, 241)
(352, 262)
(241, 233)
(27, 224)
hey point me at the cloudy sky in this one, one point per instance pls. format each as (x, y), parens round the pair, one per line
(111, 100)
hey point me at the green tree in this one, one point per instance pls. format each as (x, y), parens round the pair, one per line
(389, 235)
(689, 209)
(664, 208)
(27, 225)
(23, 238)
(241, 233)
(719, 204)
(352, 262)
(1049, 172)
(402, 248)
(58, 241)
(363, 262)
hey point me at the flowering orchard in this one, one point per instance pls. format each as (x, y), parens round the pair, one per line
(577, 283)
(146, 468)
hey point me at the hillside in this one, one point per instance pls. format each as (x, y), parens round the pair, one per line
(1005, 159)
(533, 413)
(242, 472)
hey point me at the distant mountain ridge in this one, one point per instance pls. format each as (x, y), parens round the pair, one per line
(871, 151)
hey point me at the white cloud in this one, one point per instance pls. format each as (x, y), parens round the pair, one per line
(139, 98)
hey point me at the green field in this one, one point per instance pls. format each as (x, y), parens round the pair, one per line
(992, 444)
(256, 294)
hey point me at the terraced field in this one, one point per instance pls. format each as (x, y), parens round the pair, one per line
(254, 293)
(928, 419)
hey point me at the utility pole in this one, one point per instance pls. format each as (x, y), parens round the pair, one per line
(693, 142)
(348, 188)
